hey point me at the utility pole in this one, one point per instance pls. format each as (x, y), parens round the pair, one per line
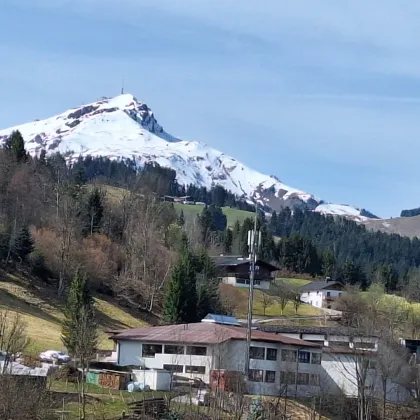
(254, 241)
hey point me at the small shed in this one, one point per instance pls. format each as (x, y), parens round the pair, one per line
(155, 379)
(105, 378)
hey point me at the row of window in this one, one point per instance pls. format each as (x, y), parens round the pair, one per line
(261, 353)
(286, 378)
(188, 369)
(149, 350)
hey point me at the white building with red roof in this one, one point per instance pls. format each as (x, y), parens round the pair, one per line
(278, 364)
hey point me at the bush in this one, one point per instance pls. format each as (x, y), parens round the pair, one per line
(39, 266)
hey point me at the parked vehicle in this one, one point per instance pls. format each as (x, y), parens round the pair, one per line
(54, 356)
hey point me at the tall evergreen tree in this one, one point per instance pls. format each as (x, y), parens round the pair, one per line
(328, 263)
(180, 299)
(93, 214)
(16, 145)
(79, 328)
(23, 244)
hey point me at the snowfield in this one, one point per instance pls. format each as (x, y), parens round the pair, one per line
(122, 127)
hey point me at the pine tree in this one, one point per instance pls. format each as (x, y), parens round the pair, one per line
(180, 299)
(43, 157)
(94, 211)
(227, 241)
(79, 328)
(328, 263)
(16, 145)
(23, 244)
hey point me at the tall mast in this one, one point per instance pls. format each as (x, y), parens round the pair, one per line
(254, 240)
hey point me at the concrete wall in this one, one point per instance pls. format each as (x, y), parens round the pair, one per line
(130, 353)
(155, 379)
(340, 373)
(230, 356)
(263, 284)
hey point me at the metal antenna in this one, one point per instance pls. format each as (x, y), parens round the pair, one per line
(122, 87)
(253, 243)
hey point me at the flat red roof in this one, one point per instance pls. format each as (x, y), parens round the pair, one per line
(204, 333)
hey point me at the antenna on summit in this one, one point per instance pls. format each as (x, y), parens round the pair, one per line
(122, 87)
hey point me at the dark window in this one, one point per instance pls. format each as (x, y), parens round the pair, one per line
(316, 358)
(196, 351)
(174, 368)
(288, 355)
(256, 353)
(169, 349)
(195, 369)
(314, 379)
(288, 378)
(304, 357)
(303, 379)
(255, 375)
(328, 294)
(270, 376)
(149, 350)
(271, 354)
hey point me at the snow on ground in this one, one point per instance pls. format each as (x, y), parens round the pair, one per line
(341, 210)
(123, 127)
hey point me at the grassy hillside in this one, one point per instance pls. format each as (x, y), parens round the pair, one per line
(295, 283)
(190, 210)
(43, 313)
(240, 297)
(232, 215)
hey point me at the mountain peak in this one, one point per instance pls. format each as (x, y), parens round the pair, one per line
(122, 127)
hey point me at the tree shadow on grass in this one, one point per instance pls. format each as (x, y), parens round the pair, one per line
(24, 307)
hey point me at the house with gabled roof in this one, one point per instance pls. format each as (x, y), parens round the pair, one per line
(321, 293)
(234, 270)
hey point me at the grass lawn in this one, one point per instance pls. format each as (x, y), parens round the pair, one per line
(240, 297)
(63, 386)
(293, 282)
(232, 215)
(43, 314)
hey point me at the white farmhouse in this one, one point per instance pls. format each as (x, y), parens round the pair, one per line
(278, 363)
(234, 270)
(321, 293)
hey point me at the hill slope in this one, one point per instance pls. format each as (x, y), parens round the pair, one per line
(124, 128)
(404, 226)
(43, 313)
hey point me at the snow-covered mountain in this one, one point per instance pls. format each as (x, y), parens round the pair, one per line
(123, 127)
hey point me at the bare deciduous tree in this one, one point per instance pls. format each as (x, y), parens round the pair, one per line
(148, 262)
(266, 300)
(13, 338)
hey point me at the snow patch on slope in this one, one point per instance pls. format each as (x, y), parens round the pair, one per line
(343, 210)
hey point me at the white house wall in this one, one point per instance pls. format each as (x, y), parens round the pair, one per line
(233, 362)
(317, 298)
(340, 377)
(230, 356)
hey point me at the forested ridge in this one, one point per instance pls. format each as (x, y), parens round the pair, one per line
(56, 218)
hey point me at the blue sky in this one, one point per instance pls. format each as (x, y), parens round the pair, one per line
(324, 94)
